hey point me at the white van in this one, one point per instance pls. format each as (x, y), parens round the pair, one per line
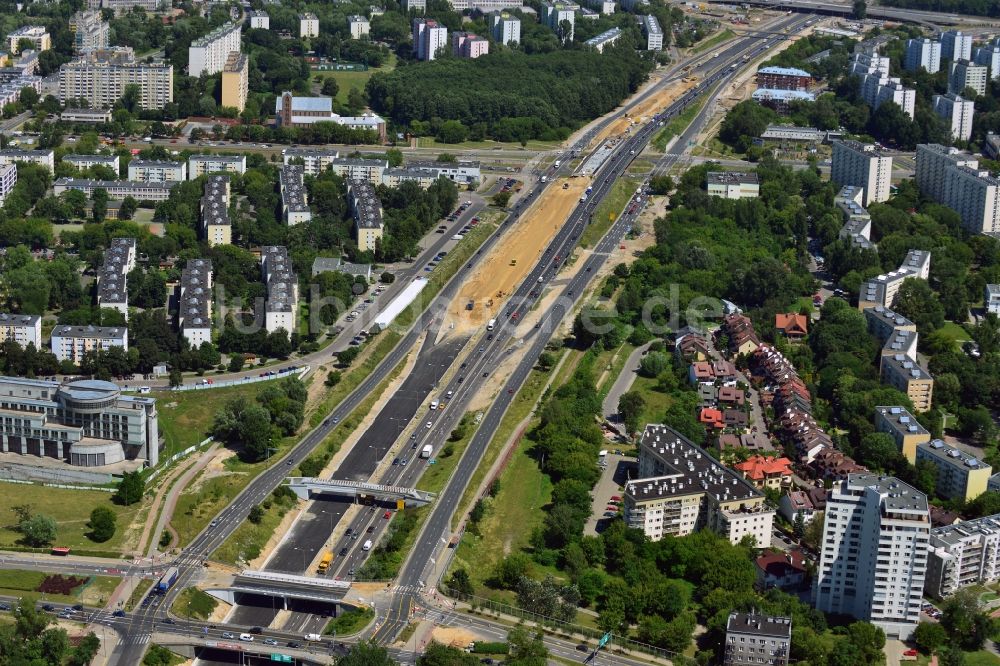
(367, 545)
(434, 405)
(246, 638)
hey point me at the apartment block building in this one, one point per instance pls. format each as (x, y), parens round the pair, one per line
(469, 45)
(157, 171)
(89, 31)
(86, 161)
(281, 306)
(235, 81)
(904, 429)
(922, 54)
(506, 28)
(959, 475)
(991, 298)
(680, 488)
(100, 76)
(783, 78)
(112, 277)
(8, 179)
(294, 199)
(117, 189)
(873, 557)
(956, 45)
(429, 37)
(125, 6)
(367, 212)
(753, 639)
(957, 113)
(953, 178)
(259, 20)
(882, 289)
(359, 26)
(905, 374)
(194, 302)
(308, 25)
(605, 39)
(215, 224)
(966, 74)
(414, 5)
(484, 6)
(208, 54)
(857, 222)
(45, 158)
(865, 64)
(84, 423)
(989, 57)
(964, 554)
(201, 165)
(38, 35)
(654, 33)
(70, 343)
(555, 13)
(733, 184)
(864, 165)
(24, 329)
(876, 90)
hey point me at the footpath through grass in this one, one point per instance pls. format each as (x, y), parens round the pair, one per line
(608, 211)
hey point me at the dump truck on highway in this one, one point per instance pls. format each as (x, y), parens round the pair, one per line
(324, 564)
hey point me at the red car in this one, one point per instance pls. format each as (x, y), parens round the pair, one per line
(387, 515)
(616, 498)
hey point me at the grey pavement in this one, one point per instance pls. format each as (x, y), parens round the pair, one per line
(613, 477)
(624, 381)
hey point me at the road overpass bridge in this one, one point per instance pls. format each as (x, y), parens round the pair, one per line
(306, 486)
(237, 652)
(287, 588)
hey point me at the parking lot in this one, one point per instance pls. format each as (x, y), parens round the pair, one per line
(613, 477)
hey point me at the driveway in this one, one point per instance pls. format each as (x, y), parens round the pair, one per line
(612, 478)
(623, 382)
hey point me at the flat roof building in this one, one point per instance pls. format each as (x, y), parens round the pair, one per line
(308, 25)
(753, 639)
(259, 20)
(215, 224)
(100, 77)
(957, 113)
(654, 33)
(38, 35)
(905, 374)
(117, 189)
(24, 329)
(605, 39)
(863, 165)
(780, 99)
(359, 26)
(208, 54)
(294, 110)
(157, 171)
(733, 184)
(959, 475)
(70, 343)
(429, 37)
(922, 54)
(235, 81)
(367, 211)
(112, 277)
(966, 74)
(992, 298)
(201, 165)
(953, 178)
(194, 302)
(86, 161)
(956, 45)
(45, 158)
(783, 78)
(294, 199)
(506, 28)
(8, 179)
(963, 554)
(281, 306)
(903, 427)
(89, 31)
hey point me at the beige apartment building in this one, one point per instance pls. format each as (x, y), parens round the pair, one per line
(236, 81)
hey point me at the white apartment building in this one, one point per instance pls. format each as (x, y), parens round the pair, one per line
(556, 13)
(869, 63)
(45, 158)
(259, 20)
(194, 302)
(881, 290)
(957, 113)
(506, 28)
(89, 31)
(201, 165)
(308, 25)
(429, 37)
(989, 56)
(8, 179)
(605, 39)
(966, 74)
(922, 53)
(859, 164)
(964, 554)
(294, 200)
(116, 189)
(953, 179)
(877, 89)
(654, 33)
(367, 211)
(956, 45)
(680, 488)
(208, 54)
(36, 34)
(70, 343)
(24, 329)
(874, 553)
(215, 224)
(992, 298)
(112, 276)
(123, 6)
(86, 161)
(414, 5)
(359, 26)
(100, 76)
(281, 306)
(157, 171)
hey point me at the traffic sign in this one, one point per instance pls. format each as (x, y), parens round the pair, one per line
(283, 658)
(604, 640)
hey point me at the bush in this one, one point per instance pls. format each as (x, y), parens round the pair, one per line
(102, 524)
(487, 647)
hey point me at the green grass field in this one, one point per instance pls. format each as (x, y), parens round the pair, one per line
(656, 401)
(186, 416)
(678, 124)
(348, 79)
(708, 43)
(955, 332)
(430, 142)
(349, 623)
(194, 603)
(608, 211)
(20, 582)
(435, 477)
(71, 511)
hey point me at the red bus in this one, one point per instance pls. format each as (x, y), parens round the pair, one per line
(60, 550)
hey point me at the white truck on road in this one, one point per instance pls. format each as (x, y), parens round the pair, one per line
(313, 637)
(426, 451)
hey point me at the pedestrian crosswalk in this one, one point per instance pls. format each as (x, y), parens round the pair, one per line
(137, 639)
(405, 589)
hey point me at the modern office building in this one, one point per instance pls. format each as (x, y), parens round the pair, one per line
(605, 39)
(783, 78)
(308, 25)
(904, 429)
(89, 31)
(680, 488)
(215, 224)
(733, 184)
(874, 553)
(8, 179)
(70, 343)
(654, 33)
(367, 211)
(953, 179)
(756, 640)
(506, 28)
(200, 165)
(281, 306)
(85, 423)
(956, 45)
(469, 45)
(966, 553)
(429, 37)
(959, 475)
(966, 74)
(957, 113)
(112, 277)
(555, 13)
(989, 57)
(864, 165)
(992, 298)
(294, 199)
(293, 111)
(259, 20)
(922, 54)
(359, 26)
(236, 81)
(117, 189)
(100, 77)
(157, 171)
(208, 54)
(38, 35)
(24, 329)
(194, 302)
(45, 158)
(86, 161)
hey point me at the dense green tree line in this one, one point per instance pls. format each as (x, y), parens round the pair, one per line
(975, 7)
